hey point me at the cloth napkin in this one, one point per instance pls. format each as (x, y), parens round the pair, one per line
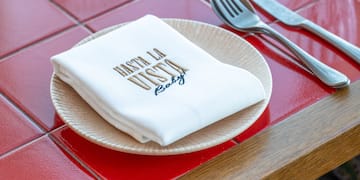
(149, 81)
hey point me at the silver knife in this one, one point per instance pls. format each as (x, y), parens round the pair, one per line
(291, 18)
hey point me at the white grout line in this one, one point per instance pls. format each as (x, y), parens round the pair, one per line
(23, 113)
(56, 142)
(36, 42)
(15, 149)
(70, 153)
(45, 133)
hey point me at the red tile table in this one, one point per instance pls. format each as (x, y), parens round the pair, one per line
(306, 130)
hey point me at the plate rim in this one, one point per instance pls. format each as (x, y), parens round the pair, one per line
(166, 150)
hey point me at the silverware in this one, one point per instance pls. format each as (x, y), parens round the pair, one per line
(291, 18)
(240, 15)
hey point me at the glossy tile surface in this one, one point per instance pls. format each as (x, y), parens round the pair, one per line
(32, 31)
(41, 159)
(343, 22)
(15, 128)
(293, 91)
(294, 5)
(25, 77)
(117, 165)
(319, 48)
(24, 22)
(195, 10)
(84, 9)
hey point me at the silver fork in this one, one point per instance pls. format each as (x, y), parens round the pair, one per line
(240, 15)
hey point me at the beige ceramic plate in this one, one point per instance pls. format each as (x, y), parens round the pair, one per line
(224, 45)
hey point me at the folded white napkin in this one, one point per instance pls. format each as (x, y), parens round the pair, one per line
(149, 81)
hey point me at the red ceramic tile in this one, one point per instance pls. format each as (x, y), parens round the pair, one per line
(25, 77)
(267, 18)
(15, 128)
(111, 164)
(291, 4)
(293, 88)
(339, 18)
(23, 22)
(84, 9)
(41, 159)
(343, 15)
(186, 9)
(295, 4)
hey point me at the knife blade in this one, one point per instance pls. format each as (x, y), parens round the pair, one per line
(291, 18)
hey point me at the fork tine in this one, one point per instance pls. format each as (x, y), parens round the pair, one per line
(230, 6)
(234, 6)
(227, 7)
(244, 5)
(222, 8)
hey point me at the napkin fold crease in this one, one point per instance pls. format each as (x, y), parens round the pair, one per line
(149, 81)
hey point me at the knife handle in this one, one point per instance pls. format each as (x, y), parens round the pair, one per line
(341, 44)
(325, 73)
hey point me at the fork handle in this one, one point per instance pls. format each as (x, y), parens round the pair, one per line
(326, 74)
(341, 44)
